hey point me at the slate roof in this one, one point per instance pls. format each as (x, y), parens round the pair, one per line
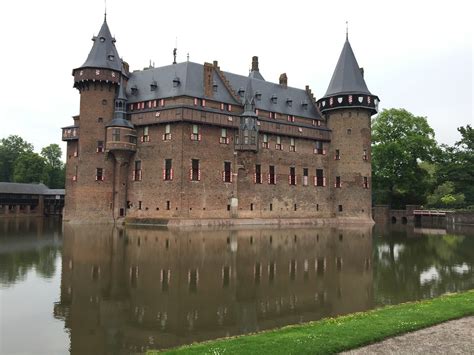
(347, 78)
(30, 189)
(287, 100)
(103, 53)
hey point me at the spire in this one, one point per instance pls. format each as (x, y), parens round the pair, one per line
(103, 53)
(249, 100)
(347, 77)
(120, 112)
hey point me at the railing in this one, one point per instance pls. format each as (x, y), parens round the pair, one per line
(429, 213)
(70, 133)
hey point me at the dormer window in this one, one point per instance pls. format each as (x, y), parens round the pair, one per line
(214, 87)
(134, 90)
(274, 99)
(176, 82)
(153, 86)
(102, 39)
(111, 57)
(304, 103)
(289, 102)
(258, 95)
(241, 92)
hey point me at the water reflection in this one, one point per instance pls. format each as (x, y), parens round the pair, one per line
(416, 263)
(125, 290)
(26, 244)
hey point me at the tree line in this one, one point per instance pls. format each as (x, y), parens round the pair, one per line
(409, 167)
(19, 163)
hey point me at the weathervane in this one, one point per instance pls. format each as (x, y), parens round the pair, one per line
(347, 30)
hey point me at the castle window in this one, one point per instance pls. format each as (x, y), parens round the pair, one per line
(99, 174)
(272, 115)
(274, 99)
(116, 134)
(316, 123)
(292, 145)
(289, 102)
(199, 102)
(337, 155)
(365, 155)
(292, 176)
(100, 120)
(272, 175)
(167, 135)
(319, 179)
(258, 174)
(139, 205)
(215, 87)
(338, 183)
(153, 86)
(195, 172)
(168, 205)
(145, 137)
(195, 136)
(74, 177)
(258, 95)
(305, 176)
(162, 102)
(137, 173)
(168, 170)
(100, 147)
(291, 118)
(366, 182)
(265, 141)
(349, 131)
(340, 208)
(227, 173)
(319, 148)
(176, 82)
(104, 102)
(224, 139)
(226, 107)
(278, 145)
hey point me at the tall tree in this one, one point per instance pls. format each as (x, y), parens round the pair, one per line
(54, 166)
(456, 165)
(400, 142)
(30, 167)
(11, 148)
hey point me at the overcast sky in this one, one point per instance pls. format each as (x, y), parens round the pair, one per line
(416, 54)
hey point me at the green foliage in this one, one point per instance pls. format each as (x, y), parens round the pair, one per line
(11, 148)
(334, 335)
(456, 165)
(55, 168)
(400, 143)
(444, 196)
(30, 167)
(18, 163)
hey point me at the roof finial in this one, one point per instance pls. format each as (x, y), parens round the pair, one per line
(347, 30)
(187, 57)
(105, 10)
(175, 50)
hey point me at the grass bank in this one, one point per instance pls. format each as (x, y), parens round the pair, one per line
(333, 335)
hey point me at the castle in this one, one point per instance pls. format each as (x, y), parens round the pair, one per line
(192, 142)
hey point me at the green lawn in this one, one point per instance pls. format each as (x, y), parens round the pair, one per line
(333, 335)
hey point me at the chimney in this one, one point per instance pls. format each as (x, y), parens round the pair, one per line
(255, 63)
(362, 71)
(283, 80)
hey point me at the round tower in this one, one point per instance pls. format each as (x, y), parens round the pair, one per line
(347, 107)
(89, 170)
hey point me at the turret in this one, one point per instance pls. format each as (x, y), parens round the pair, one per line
(347, 107)
(247, 138)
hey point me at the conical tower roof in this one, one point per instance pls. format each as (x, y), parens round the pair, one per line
(103, 53)
(347, 77)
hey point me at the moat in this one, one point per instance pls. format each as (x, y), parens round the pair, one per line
(104, 290)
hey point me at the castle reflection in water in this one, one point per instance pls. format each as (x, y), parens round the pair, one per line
(131, 289)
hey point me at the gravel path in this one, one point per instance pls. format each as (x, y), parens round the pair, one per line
(453, 337)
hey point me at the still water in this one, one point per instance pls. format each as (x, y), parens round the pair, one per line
(105, 290)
